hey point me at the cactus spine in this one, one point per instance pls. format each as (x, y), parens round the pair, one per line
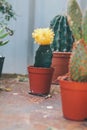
(63, 39)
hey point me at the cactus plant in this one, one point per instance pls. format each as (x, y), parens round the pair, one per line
(75, 18)
(44, 37)
(78, 60)
(43, 56)
(63, 39)
(74, 84)
(40, 74)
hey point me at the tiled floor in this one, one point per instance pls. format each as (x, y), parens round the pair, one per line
(22, 111)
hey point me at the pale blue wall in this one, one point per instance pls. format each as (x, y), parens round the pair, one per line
(83, 5)
(47, 9)
(30, 14)
(18, 53)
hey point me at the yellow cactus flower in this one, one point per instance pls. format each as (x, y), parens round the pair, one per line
(43, 36)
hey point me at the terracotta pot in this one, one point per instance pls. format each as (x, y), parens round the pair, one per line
(60, 62)
(40, 79)
(74, 99)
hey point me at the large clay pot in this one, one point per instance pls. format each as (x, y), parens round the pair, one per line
(60, 62)
(74, 99)
(40, 79)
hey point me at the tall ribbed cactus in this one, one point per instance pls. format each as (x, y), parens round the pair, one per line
(63, 39)
(75, 18)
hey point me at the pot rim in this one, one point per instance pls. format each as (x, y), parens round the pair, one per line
(31, 66)
(69, 84)
(32, 69)
(61, 54)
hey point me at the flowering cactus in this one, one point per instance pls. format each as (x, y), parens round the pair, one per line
(43, 37)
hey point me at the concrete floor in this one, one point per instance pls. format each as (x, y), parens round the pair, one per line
(22, 111)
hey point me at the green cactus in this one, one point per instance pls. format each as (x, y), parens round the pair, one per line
(43, 56)
(44, 37)
(63, 39)
(75, 18)
(78, 62)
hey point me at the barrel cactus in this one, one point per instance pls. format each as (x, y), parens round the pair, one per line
(63, 39)
(78, 60)
(44, 37)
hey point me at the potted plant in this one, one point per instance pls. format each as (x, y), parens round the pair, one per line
(40, 74)
(6, 13)
(61, 46)
(74, 84)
